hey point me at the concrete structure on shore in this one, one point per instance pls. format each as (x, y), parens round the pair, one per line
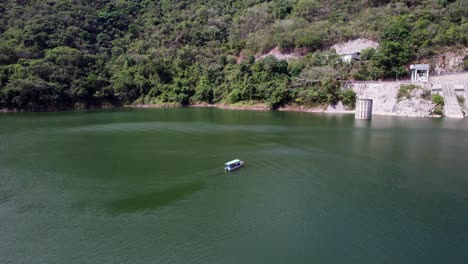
(419, 72)
(363, 109)
(452, 87)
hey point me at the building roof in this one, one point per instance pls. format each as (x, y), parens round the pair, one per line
(424, 67)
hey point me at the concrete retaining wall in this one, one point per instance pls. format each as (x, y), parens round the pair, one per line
(385, 101)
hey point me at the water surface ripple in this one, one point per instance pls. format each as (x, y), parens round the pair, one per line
(148, 186)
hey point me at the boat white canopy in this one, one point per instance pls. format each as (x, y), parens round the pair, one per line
(232, 162)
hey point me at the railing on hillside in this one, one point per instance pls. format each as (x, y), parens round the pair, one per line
(448, 73)
(349, 84)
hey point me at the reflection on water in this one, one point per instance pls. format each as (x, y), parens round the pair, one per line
(154, 200)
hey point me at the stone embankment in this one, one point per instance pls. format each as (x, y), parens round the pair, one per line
(416, 105)
(386, 102)
(454, 89)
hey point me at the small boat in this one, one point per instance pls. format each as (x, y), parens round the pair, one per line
(233, 164)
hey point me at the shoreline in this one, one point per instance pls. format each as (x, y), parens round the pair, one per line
(220, 106)
(257, 107)
(287, 108)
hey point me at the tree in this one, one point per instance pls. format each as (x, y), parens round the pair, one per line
(395, 49)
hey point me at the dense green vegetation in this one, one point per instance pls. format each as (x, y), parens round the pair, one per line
(439, 101)
(405, 91)
(84, 53)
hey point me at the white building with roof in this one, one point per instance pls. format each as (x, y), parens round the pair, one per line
(419, 72)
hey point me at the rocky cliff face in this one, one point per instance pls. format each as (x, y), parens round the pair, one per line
(282, 56)
(351, 46)
(415, 105)
(355, 45)
(447, 62)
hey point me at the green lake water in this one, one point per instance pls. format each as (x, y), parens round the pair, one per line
(148, 186)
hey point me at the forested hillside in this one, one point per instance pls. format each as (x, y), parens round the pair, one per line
(58, 54)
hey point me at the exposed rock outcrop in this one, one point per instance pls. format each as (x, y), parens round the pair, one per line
(338, 108)
(447, 62)
(415, 105)
(282, 56)
(349, 47)
(355, 45)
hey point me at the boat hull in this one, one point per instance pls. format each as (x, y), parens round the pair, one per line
(229, 168)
